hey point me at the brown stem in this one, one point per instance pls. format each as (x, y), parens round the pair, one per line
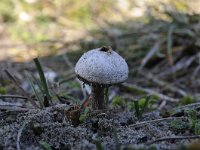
(98, 97)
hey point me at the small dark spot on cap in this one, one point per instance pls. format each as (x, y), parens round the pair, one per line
(106, 48)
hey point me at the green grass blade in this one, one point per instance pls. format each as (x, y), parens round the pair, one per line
(45, 145)
(145, 104)
(98, 145)
(137, 108)
(42, 78)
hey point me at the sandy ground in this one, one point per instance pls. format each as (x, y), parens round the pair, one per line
(113, 129)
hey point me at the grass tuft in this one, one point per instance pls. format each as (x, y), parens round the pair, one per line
(42, 79)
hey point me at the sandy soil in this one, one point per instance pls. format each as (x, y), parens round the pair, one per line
(113, 129)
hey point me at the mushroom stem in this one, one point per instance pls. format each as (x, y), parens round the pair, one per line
(98, 101)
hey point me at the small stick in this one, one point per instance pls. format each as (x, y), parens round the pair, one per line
(189, 106)
(10, 104)
(184, 63)
(68, 62)
(154, 121)
(14, 108)
(162, 105)
(149, 91)
(13, 96)
(20, 88)
(72, 76)
(149, 55)
(12, 113)
(162, 83)
(173, 138)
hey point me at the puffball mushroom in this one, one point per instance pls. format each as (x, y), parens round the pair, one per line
(101, 68)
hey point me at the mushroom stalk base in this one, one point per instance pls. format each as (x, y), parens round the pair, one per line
(98, 101)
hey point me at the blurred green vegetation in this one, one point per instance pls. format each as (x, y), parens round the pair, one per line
(129, 26)
(35, 21)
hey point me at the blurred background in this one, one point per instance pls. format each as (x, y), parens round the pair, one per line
(160, 40)
(31, 28)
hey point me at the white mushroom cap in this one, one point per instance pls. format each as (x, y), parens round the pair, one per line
(103, 66)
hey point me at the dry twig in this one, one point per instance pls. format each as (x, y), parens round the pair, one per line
(184, 63)
(162, 83)
(149, 91)
(21, 89)
(149, 55)
(13, 96)
(173, 138)
(190, 106)
(154, 121)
